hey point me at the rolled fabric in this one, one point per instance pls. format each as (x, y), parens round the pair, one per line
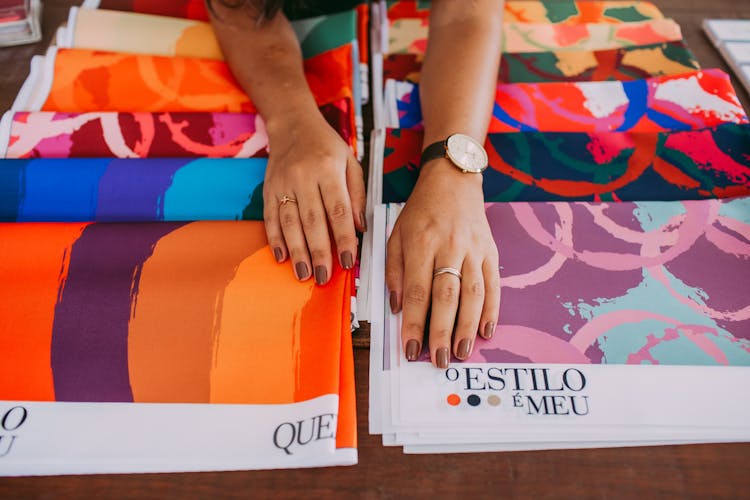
(409, 35)
(155, 189)
(623, 64)
(695, 100)
(109, 134)
(596, 166)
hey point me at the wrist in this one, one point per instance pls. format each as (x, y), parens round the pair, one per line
(442, 169)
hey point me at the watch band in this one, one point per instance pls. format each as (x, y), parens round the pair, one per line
(431, 152)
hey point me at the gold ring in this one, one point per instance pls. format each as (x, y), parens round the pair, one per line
(286, 199)
(446, 270)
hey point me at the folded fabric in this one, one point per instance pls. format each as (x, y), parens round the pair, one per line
(47, 134)
(410, 35)
(570, 12)
(86, 80)
(186, 318)
(626, 63)
(135, 33)
(609, 166)
(161, 189)
(695, 100)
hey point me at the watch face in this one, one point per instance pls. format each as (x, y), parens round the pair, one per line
(466, 152)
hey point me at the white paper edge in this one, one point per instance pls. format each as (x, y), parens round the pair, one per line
(90, 4)
(719, 44)
(5, 125)
(70, 31)
(376, 324)
(21, 103)
(390, 104)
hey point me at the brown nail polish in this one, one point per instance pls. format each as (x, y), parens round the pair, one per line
(464, 349)
(363, 221)
(442, 357)
(394, 302)
(347, 262)
(301, 269)
(489, 329)
(412, 350)
(278, 254)
(321, 275)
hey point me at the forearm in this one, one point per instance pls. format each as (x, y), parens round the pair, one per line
(266, 60)
(460, 69)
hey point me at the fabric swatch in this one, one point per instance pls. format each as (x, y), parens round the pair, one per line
(624, 64)
(131, 190)
(602, 166)
(696, 100)
(568, 12)
(47, 134)
(409, 36)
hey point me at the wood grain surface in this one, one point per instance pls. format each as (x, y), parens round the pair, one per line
(705, 471)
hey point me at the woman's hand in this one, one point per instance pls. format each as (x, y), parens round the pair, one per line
(443, 224)
(313, 169)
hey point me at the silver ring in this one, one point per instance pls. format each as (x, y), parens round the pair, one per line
(446, 270)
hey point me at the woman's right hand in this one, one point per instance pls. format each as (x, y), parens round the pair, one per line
(314, 189)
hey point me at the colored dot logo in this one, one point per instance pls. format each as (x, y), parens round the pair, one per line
(493, 400)
(473, 400)
(454, 399)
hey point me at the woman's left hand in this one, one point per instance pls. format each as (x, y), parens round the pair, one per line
(443, 225)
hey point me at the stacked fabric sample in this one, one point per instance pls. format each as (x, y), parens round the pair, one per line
(140, 325)
(623, 251)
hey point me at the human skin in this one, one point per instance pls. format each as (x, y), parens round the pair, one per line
(443, 223)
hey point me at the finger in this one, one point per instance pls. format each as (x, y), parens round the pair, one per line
(291, 227)
(273, 226)
(394, 270)
(415, 299)
(471, 304)
(339, 211)
(315, 226)
(491, 308)
(446, 290)
(355, 183)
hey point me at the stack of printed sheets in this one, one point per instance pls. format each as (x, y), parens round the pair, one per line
(617, 194)
(145, 325)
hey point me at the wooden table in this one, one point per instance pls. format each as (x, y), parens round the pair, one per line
(715, 471)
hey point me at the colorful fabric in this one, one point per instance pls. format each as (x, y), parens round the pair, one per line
(149, 135)
(608, 166)
(117, 31)
(113, 190)
(567, 12)
(167, 313)
(410, 35)
(696, 100)
(621, 283)
(624, 64)
(86, 80)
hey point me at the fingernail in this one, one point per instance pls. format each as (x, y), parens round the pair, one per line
(278, 254)
(394, 303)
(363, 222)
(412, 350)
(464, 349)
(321, 275)
(489, 329)
(301, 269)
(442, 357)
(347, 262)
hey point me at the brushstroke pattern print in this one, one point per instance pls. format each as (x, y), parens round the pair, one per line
(602, 166)
(86, 80)
(565, 12)
(135, 33)
(113, 190)
(409, 36)
(163, 313)
(150, 135)
(700, 99)
(623, 64)
(622, 283)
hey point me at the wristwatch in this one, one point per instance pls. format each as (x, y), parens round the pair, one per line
(462, 150)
